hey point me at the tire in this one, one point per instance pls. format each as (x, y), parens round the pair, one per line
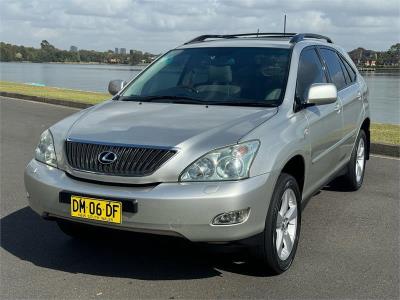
(354, 177)
(279, 259)
(75, 230)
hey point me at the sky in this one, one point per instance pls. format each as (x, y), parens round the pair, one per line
(157, 26)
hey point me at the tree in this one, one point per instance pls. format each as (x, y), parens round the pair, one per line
(395, 49)
(45, 45)
(47, 52)
(135, 57)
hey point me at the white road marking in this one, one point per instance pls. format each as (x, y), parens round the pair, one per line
(384, 157)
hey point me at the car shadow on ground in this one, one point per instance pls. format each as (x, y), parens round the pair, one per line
(338, 185)
(118, 254)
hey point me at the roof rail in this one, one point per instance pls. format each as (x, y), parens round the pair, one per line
(302, 36)
(202, 38)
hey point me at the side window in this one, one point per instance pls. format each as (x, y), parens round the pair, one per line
(350, 70)
(335, 70)
(310, 71)
(346, 74)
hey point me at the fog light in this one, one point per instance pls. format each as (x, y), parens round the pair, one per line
(232, 217)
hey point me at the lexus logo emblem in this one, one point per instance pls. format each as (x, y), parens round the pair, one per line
(107, 157)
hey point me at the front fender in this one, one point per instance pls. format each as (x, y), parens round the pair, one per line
(282, 138)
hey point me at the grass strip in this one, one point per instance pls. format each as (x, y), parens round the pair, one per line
(53, 92)
(385, 133)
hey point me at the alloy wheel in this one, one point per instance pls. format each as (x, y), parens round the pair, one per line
(286, 224)
(360, 160)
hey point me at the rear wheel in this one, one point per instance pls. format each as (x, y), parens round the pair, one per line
(354, 176)
(282, 226)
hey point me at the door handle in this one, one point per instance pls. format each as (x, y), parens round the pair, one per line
(338, 108)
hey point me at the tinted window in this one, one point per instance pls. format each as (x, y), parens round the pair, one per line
(350, 70)
(335, 70)
(167, 77)
(220, 75)
(310, 71)
(346, 74)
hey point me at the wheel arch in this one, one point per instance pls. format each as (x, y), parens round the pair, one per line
(366, 127)
(295, 166)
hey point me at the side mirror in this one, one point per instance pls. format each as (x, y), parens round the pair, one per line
(115, 86)
(322, 93)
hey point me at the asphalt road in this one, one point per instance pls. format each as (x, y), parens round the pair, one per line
(349, 245)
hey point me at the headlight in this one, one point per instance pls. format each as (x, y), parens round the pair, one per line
(229, 163)
(44, 151)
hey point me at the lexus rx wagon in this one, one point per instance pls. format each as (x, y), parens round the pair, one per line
(219, 140)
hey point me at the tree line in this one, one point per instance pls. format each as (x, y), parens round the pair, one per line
(48, 53)
(389, 58)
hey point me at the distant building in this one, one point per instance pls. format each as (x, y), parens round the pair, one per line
(363, 57)
(370, 63)
(131, 52)
(116, 51)
(153, 58)
(122, 51)
(114, 61)
(73, 49)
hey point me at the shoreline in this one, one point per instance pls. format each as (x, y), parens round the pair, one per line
(374, 69)
(76, 63)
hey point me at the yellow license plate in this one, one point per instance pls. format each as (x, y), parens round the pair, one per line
(96, 209)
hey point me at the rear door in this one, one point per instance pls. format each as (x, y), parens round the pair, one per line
(325, 121)
(344, 77)
(352, 107)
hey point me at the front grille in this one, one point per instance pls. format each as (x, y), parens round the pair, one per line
(131, 160)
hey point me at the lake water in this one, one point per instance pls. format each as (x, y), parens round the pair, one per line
(384, 87)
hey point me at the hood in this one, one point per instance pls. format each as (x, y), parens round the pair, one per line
(166, 124)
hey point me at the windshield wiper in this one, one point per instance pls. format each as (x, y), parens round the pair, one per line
(173, 99)
(189, 100)
(245, 103)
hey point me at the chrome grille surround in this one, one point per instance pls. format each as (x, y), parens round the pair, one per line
(132, 160)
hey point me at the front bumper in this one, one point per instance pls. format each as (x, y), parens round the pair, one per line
(183, 209)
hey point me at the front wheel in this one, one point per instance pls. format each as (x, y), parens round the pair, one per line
(282, 226)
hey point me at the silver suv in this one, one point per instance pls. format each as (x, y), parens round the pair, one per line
(221, 139)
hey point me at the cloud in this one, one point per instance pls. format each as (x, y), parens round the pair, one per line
(157, 26)
(99, 8)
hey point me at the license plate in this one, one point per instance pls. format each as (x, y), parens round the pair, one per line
(96, 209)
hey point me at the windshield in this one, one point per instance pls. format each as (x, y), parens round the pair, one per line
(227, 76)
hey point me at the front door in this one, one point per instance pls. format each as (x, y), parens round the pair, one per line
(325, 121)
